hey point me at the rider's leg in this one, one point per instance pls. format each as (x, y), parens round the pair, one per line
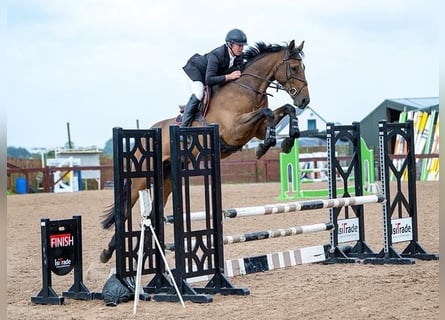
(197, 88)
(190, 111)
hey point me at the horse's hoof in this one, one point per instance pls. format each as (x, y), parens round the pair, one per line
(286, 145)
(104, 257)
(259, 151)
(296, 134)
(273, 142)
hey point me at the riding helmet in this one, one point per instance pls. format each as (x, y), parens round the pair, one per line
(237, 36)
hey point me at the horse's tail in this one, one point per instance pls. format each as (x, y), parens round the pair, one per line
(110, 214)
(109, 218)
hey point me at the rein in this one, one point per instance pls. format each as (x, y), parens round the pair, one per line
(271, 84)
(245, 86)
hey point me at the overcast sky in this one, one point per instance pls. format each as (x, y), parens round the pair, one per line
(98, 64)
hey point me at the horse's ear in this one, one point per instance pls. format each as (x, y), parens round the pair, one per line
(291, 46)
(300, 47)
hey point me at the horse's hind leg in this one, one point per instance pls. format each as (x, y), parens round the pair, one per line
(138, 184)
(106, 254)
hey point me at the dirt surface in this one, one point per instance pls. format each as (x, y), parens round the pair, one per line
(309, 291)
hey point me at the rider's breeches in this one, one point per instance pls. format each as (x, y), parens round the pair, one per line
(197, 88)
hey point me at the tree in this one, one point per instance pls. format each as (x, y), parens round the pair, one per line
(19, 153)
(108, 148)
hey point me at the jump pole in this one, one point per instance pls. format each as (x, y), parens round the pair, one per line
(285, 232)
(288, 207)
(270, 261)
(266, 234)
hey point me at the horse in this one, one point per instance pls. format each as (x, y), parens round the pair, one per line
(240, 108)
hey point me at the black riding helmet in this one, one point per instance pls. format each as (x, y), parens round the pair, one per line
(237, 36)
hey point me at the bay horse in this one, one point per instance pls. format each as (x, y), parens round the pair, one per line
(240, 108)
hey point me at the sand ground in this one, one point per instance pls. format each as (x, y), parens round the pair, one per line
(309, 291)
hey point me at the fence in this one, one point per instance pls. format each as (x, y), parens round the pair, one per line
(240, 167)
(40, 179)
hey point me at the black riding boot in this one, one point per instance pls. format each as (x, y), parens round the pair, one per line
(189, 111)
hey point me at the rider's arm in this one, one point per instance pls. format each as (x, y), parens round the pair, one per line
(212, 76)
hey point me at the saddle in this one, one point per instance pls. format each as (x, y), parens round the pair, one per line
(203, 108)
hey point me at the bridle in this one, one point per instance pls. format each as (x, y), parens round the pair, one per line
(292, 91)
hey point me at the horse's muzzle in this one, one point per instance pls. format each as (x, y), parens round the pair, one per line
(301, 102)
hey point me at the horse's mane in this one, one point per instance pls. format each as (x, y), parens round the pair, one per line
(259, 48)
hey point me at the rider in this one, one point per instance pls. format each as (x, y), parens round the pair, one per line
(217, 67)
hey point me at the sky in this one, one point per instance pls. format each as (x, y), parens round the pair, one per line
(99, 64)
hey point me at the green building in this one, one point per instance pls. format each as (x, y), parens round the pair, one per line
(390, 110)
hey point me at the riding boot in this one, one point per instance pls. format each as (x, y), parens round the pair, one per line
(189, 111)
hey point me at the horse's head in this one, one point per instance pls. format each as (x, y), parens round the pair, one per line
(290, 74)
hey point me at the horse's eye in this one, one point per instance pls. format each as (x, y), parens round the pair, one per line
(294, 68)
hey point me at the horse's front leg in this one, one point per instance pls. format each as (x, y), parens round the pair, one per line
(278, 115)
(270, 138)
(294, 130)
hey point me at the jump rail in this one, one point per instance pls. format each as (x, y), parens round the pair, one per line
(266, 234)
(270, 261)
(288, 207)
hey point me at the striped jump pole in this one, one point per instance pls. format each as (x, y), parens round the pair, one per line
(266, 234)
(289, 207)
(270, 261)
